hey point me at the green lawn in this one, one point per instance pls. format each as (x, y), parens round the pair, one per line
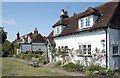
(15, 68)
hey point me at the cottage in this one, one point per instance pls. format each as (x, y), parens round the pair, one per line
(94, 31)
(31, 42)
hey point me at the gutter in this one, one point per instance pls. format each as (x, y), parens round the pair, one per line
(106, 49)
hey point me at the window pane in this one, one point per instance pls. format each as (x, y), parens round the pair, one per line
(115, 49)
(66, 48)
(80, 49)
(57, 29)
(82, 23)
(84, 49)
(89, 49)
(88, 21)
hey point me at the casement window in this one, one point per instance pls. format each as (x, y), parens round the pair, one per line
(82, 23)
(115, 49)
(89, 49)
(57, 30)
(85, 49)
(65, 49)
(87, 21)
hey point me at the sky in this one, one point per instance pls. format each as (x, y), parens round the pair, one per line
(23, 17)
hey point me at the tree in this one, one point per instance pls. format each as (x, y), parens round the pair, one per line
(3, 34)
(6, 48)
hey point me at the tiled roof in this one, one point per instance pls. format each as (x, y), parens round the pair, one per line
(51, 41)
(35, 38)
(108, 12)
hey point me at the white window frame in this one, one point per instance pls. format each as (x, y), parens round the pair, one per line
(87, 21)
(117, 50)
(57, 29)
(82, 23)
(84, 53)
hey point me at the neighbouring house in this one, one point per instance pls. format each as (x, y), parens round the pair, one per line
(31, 42)
(94, 31)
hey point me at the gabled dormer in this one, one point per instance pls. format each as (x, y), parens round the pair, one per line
(88, 18)
(61, 24)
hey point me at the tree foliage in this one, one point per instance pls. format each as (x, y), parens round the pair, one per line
(17, 44)
(6, 47)
(4, 36)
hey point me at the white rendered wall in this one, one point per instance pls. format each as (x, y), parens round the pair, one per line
(73, 41)
(114, 38)
(37, 46)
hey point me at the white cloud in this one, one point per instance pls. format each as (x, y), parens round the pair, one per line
(9, 21)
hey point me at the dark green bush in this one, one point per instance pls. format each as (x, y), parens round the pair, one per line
(35, 55)
(94, 68)
(70, 67)
(28, 56)
(80, 68)
(43, 59)
(22, 56)
(58, 64)
(110, 72)
(10, 55)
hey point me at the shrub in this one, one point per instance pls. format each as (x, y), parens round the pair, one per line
(110, 72)
(70, 67)
(22, 56)
(28, 56)
(94, 68)
(90, 73)
(43, 59)
(16, 56)
(58, 64)
(10, 55)
(80, 68)
(36, 55)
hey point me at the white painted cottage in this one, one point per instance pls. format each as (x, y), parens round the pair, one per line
(97, 27)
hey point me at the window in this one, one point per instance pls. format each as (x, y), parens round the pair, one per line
(88, 21)
(64, 49)
(58, 48)
(80, 49)
(84, 49)
(115, 49)
(57, 30)
(82, 23)
(89, 49)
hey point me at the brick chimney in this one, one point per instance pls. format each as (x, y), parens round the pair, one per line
(64, 14)
(18, 36)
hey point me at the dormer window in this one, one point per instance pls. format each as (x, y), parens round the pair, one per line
(58, 29)
(87, 21)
